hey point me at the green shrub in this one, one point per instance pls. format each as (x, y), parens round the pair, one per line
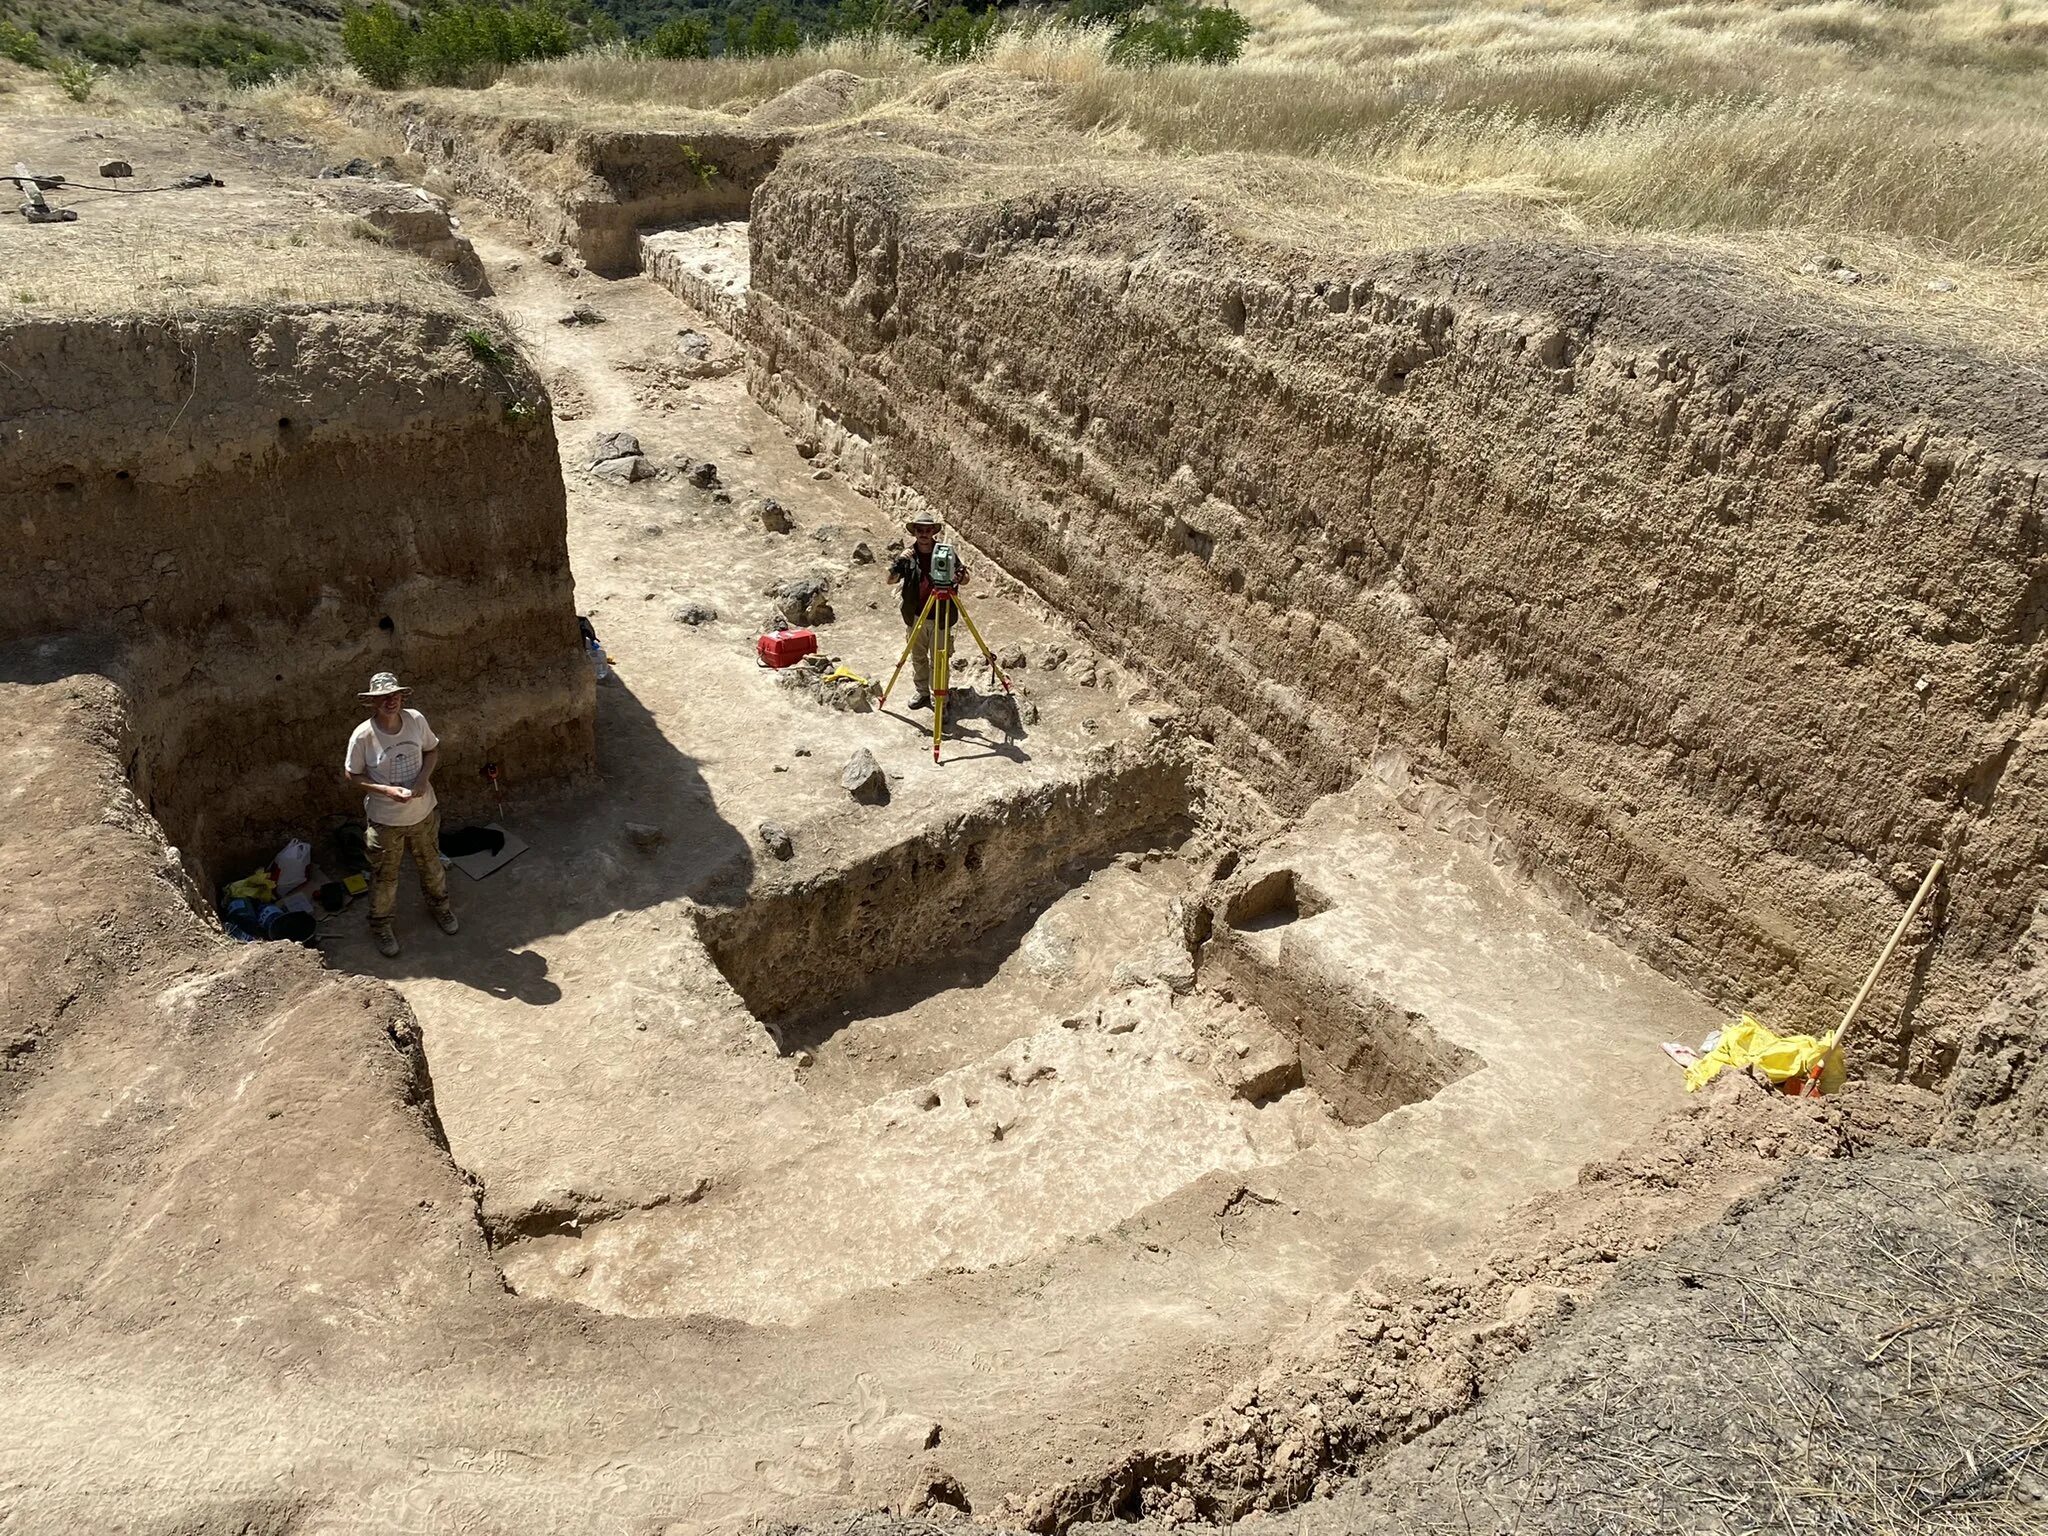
(101, 47)
(470, 43)
(378, 42)
(536, 32)
(765, 32)
(22, 47)
(1175, 31)
(77, 78)
(246, 55)
(687, 37)
(450, 48)
(957, 34)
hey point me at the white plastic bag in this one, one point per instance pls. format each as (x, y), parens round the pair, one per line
(289, 868)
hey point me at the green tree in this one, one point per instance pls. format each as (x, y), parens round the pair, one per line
(378, 42)
(957, 34)
(457, 44)
(687, 37)
(872, 18)
(765, 32)
(538, 31)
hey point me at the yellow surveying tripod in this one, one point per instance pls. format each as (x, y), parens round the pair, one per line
(939, 611)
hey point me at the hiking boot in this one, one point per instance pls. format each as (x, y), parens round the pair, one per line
(921, 701)
(387, 942)
(445, 918)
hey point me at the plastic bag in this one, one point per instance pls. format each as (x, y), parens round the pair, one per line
(1781, 1058)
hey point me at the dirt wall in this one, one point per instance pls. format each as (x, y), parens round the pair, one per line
(1733, 620)
(804, 947)
(589, 189)
(254, 512)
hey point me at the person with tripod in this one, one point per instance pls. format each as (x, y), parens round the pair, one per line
(913, 568)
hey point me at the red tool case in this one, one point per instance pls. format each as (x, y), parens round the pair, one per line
(786, 647)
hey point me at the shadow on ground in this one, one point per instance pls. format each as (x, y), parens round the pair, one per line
(582, 865)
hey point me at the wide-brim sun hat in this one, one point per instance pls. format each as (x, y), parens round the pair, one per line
(383, 685)
(922, 520)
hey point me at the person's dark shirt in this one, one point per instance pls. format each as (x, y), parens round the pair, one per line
(914, 569)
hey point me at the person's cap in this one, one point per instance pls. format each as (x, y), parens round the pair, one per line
(922, 520)
(381, 684)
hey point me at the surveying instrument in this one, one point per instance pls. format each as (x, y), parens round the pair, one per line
(940, 609)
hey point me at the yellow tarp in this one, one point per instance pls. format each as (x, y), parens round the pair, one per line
(1746, 1043)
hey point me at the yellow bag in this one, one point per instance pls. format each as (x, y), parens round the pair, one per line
(1781, 1058)
(257, 887)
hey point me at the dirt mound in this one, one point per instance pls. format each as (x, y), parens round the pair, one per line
(824, 98)
(1846, 1353)
(1384, 1365)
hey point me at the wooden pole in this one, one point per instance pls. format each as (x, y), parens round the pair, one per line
(1898, 933)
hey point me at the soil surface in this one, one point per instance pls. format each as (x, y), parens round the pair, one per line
(1049, 1131)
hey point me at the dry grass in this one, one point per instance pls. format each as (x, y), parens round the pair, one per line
(1923, 122)
(253, 242)
(614, 76)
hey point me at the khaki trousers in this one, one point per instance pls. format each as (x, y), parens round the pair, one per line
(388, 847)
(921, 653)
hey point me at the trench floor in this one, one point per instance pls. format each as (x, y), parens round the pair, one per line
(992, 1202)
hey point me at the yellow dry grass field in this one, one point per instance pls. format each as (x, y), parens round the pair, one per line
(1906, 136)
(250, 243)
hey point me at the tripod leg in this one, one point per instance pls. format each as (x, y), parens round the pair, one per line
(942, 645)
(908, 645)
(988, 655)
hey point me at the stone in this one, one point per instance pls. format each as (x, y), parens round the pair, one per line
(777, 841)
(1942, 285)
(1259, 1064)
(583, 314)
(116, 168)
(552, 255)
(774, 515)
(626, 470)
(613, 445)
(802, 599)
(862, 555)
(1001, 711)
(1013, 658)
(1165, 963)
(693, 613)
(862, 778)
(821, 474)
(1055, 657)
(693, 344)
(705, 476)
(845, 695)
(643, 834)
(1028, 712)
(806, 448)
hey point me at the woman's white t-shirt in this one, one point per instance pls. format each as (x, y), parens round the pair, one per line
(394, 759)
